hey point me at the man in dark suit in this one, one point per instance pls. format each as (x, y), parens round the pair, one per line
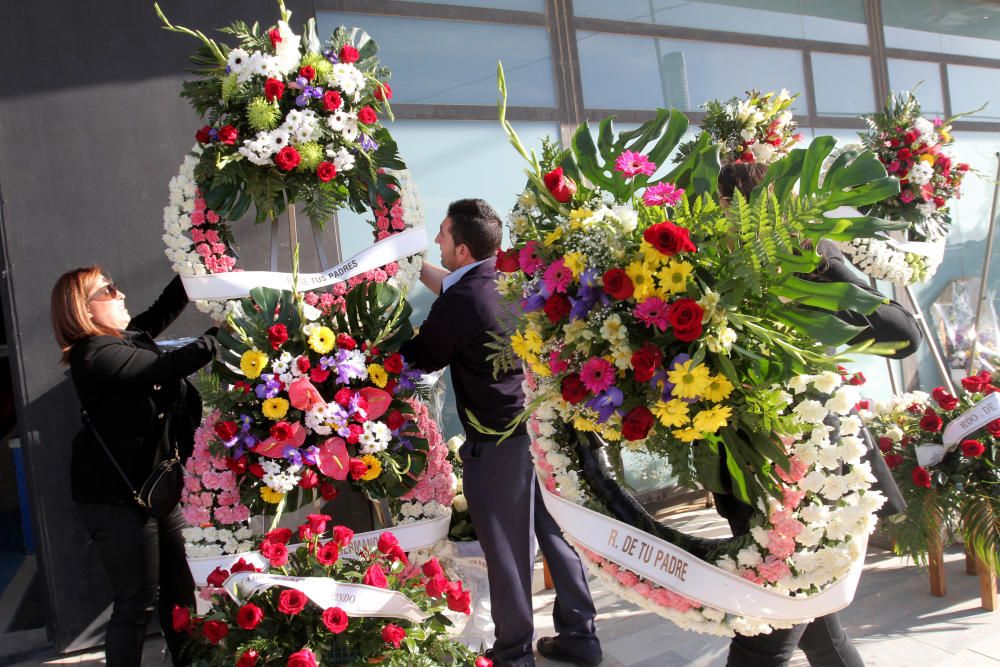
(498, 478)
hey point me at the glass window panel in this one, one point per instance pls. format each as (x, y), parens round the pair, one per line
(971, 87)
(907, 74)
(456, 61)
(626, 72)
(519, 5)
(842, 21)
(964, 27)
(843, 84)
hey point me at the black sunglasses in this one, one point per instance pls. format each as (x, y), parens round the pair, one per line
(106, 293)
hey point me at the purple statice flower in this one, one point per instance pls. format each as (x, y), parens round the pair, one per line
(331, 55)
(606, 402)
(368, 144)
(350, 365)
(269, 387)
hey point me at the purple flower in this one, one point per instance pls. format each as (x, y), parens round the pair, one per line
(269, 388)
(354, 408)
(293, 455)
(309, 454)
(331, 55)
(350, 365)
(408, 380)
(339, 419)
(368, 144)
(326, 362)
(606, 402)
(533, 303)
(213, 134)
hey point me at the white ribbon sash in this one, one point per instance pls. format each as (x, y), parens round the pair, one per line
(237, 284)
(668, 566)
(411, 536)
(355, 599)
(973, 419)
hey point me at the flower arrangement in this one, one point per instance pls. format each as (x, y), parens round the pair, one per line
(650, 318)
(758, 128)
(914, 150)
(435, 489)
(283, 624)
(959, 495)
(955, 313)
(461, 528)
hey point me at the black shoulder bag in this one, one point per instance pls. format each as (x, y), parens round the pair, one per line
(161, 491)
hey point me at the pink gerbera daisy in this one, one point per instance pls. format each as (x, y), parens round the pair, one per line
(597, 374)
(654, 312)
(631, 164)
(557, 277)
(662, 194)
(529, 259)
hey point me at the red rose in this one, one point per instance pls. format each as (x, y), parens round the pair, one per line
(249, 616)
(562, 187)
(279, 535)
(306, 534)
(436, 586)
(319, 375)
(977, 383)
(669, 238)
(348, 54)
(483, 661)
(335, 620)
(228, 135)
(275, 36)
(921, 477)
(386, 542)
(317, 522)
(636, 424)
(248, 659)
(226, 430)
(277, 335)
(944, 399)
(375, 576)
(507, 260)
(367, 116)
(904, 154)
(309, 479)
(931, 422)
(356, 431)
(432, 568)
(345, 342)
(993, 428)
(915, 409)
(685, 317)
(326, 171)
(863, 404)
(214, 631)
(645, 361)
(617, 284)
(885, 444)
(557, 307)
(242, 566)
(939, 201)
(331, 100)
(328, 553)
(383, 91)
(273, 89)
(972, 448)
(328, 491)
(894, 460)
(308, 72)
(281, 431)
(857, 379)
(181, 619)
(303, 658)
(393, 634)
(358, 468)
(287, 158)
(393, 363)
(275, 552)
(342, 535)
(202, 136)
(291, 601)
(217, 577)
(573, 389)
(962, 167)
(458, 599)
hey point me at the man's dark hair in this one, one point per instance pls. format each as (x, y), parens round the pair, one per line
(477, 225)
(742, 177)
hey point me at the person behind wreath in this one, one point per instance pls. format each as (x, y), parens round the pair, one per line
(499, 479)
(139, 403)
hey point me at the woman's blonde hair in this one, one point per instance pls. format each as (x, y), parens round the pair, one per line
(71, 320)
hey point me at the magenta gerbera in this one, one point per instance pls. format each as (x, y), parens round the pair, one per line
(597, 374)
(557, 277)
(631, 164)
(654, 312)
(662, 194)
(529, 259)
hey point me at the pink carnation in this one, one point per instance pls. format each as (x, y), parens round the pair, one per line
(197, 218)
(199, 204)
(780, 545)
(211, 217)
(786, 524)
(798, 471)
(750, 575)
(773, 569)
(791, 498)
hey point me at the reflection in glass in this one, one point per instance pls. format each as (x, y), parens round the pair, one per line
(965, 27)
(842, 21)
(455, 62)
(843, 84)
(626, 72)
(971, 87)
(907, 74)
(519, 5)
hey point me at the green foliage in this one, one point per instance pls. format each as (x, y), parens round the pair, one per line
(366, 308)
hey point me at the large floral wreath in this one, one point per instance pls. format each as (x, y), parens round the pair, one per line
(652, 319)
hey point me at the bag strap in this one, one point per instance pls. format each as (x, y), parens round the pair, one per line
(114, 461)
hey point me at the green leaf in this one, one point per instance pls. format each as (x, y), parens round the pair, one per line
(829, 296)
(824, 327)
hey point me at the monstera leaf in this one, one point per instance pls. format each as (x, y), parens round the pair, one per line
(377, 312)
(264, 308)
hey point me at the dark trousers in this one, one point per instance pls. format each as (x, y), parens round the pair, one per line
(823, 640)
(145, 561)
(505, 506)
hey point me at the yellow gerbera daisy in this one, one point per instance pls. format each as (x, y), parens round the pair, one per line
(689, 382)
(672, 413)
(674, 277)
(322, 340)
(252, 363)
(719, 388)
(377, 375)
(270, 495)
(687, 434)
(711, 420)
(581, 423)
(274, 408)
(374, 468)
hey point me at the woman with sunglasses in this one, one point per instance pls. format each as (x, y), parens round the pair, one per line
(140, 404)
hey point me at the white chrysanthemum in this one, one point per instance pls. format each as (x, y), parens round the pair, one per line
(811, 412)
(239, 64)
(799, 383)
(301, 125)
(375, 438)
(920, 173)
(350, 131)
(316, 420)
(258, 150)
(347, 77)
(342, 159)
(827, 381)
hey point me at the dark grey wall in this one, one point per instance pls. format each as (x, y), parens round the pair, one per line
(91, 130)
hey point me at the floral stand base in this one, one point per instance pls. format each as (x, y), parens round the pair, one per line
(467, 561)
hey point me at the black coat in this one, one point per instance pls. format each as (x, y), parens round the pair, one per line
(138, 399)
